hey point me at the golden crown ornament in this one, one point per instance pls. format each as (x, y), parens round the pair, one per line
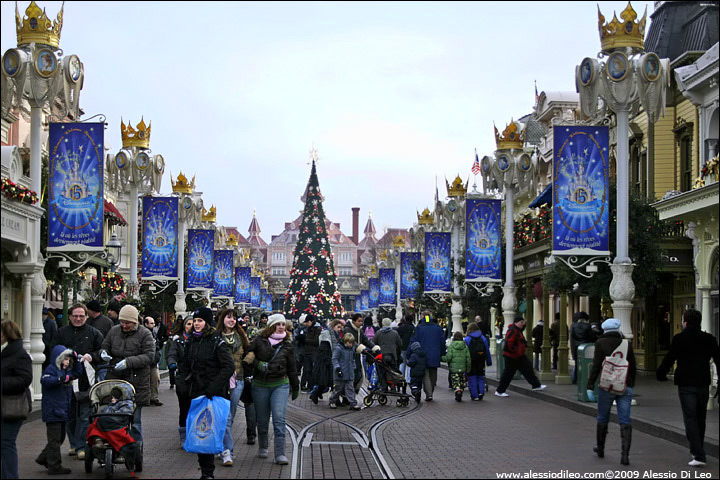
(512, 137)
(132, 137)
(182, 185)
(36, 27)
(621, 34)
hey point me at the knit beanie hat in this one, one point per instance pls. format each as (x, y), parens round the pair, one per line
(128, 313)
(275, 318)
(611, 325)
(94, 305)
(386, 322)
(115, 307)
(205, 313)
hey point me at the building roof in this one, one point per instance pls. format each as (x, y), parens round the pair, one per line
(680, 27)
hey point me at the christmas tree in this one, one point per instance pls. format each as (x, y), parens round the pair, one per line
(313, 284)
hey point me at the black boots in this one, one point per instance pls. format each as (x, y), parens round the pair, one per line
(626, 436)
(601, 434)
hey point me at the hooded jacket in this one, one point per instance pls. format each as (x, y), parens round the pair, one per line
(57, 385)
(83, 339)
(205, 367)
(416, 360)
(431, 337)
(342, 360)
(458, 357)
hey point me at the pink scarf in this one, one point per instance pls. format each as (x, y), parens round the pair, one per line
(276, 338)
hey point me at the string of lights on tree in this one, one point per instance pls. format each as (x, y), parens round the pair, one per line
(531, 228)
(313, 283)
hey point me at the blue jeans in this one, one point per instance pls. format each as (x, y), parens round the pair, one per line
(79, 423)
(605, 401)
(10, 430)
(234, 399)
(267, 401)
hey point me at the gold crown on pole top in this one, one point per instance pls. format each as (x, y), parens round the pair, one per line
(231, 241)
(209, 216)
(135, 138)
(511, 137)
(36, 27)
(182, 185)
(425, 218)
(620, 34)
(399, 241)
(456, 189)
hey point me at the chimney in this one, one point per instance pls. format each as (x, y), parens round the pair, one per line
(355, 224)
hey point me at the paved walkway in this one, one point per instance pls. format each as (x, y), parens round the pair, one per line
(548, 431)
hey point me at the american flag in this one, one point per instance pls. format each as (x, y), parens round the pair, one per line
(476, 165)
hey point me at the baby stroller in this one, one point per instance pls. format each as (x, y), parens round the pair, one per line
(112, 405)
(395, 380)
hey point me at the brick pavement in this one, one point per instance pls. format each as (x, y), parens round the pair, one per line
(442, 439)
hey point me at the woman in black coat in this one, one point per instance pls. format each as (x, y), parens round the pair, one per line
(16, 375)
(205, 369)
(322, 378)
(180, 335)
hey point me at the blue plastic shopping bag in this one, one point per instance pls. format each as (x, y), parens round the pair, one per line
(205, 424)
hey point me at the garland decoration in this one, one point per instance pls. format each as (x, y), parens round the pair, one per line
(13, 191)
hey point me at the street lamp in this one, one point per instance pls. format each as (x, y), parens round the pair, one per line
(133, 170)
(191, 206)
(114, 248)
(512, 167)
(622, 75)
(454, 213)
(36, 73)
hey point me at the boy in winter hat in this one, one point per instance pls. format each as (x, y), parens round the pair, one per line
(56, 384)
(343, 368)
(416, 361)
(458, 360)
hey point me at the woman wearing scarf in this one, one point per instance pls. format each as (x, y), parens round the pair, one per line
(235, 338)
(271, 353)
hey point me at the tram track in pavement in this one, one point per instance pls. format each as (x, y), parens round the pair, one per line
(320, 447)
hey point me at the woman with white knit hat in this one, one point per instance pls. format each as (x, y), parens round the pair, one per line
(271, 353)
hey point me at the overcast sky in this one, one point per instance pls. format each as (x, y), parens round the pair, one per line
(392, 95)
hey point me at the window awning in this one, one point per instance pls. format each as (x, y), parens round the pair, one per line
(543, 198)
(112, 214)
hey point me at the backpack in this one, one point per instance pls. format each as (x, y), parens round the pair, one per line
(613, 376)
(477, 350)
(369, 332)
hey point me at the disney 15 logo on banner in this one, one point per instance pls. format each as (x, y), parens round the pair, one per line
(437, 262)
(255, 292)
(483, 240)
(408, 278)
(242, 285)
(223, 273)
(373, 292)
(387, 286)
(160, 238)
(201, 244)
(580, 191)
(75, 186)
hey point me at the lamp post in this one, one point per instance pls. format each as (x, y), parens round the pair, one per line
(133, 171)
(510, 168)
(190, 215)
(396, 251)
(622, 75)
(36, 73)
(454, 214)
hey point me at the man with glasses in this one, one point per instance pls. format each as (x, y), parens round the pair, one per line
(86, 342)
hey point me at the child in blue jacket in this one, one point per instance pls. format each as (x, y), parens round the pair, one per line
(416, 361)
(343, 362)
(56, 391)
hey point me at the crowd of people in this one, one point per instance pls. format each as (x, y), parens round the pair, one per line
(267, 363)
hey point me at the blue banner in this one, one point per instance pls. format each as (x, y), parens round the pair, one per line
(201, 244)
(580, 191)
(387, 286)
(373, 293)
(408, 279)
(242, 285)
(437, 262)
(364, 301)
(223, 273)
(75, 187)
(268, 302)
(483, 241)
(160, 238)
(255, 292)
